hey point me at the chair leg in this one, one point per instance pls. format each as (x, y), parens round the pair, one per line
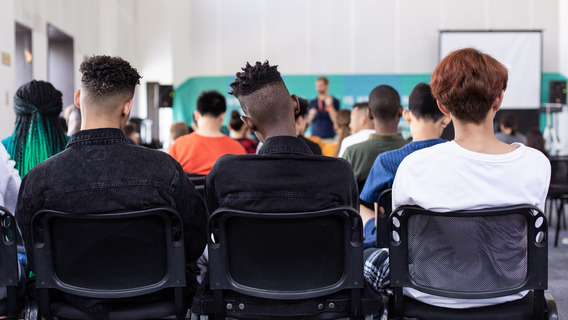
(44, 307)
(219, 304)
(178, 304)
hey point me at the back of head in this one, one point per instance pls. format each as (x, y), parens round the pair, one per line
(263, 94)
(343, 118)
(211, 103)
(107, 83)
(467, 82)
(509, 120)
(384, 103)
(38, 134)
(178, 129)
(422, 104)
(236, 123)
(304, 105)
(536, 140)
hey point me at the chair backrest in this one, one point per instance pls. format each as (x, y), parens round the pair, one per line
(297, 255)
(109, 255)
(559, 170)
(384, 201)
(9, 263)
(198, 181)
(469, 254)
(8, 250)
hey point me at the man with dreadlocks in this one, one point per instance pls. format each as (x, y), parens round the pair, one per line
(38, 134)
(100, 171)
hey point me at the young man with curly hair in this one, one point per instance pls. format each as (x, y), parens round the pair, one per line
(100, 171)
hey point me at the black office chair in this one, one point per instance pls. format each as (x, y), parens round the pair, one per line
(558, 191)
(305, 265)
(9, 306)
(110, 256)
(470, 254)
(198, 181)
(384, 201)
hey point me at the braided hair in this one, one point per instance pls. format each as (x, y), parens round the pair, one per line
(38, 134)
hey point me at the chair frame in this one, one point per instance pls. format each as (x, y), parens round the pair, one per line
(537, 256)
(9, 257)
(46, 277)
(219, 259)
(382, 219)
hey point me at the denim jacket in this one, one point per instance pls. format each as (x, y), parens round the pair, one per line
(101, 171)
(284, 177)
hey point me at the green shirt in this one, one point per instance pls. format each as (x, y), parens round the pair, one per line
(361, 156)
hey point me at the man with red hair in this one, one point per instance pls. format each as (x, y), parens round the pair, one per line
(473, 171)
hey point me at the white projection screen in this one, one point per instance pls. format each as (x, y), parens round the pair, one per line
(519, 51)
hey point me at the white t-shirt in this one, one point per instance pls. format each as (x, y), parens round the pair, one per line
(9, 181)
(355, 138)
(447, 177)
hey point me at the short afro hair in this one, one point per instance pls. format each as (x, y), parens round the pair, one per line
(105, 76)
(253, 78)
(211, 103)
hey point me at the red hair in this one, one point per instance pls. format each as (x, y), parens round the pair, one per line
(467, 82)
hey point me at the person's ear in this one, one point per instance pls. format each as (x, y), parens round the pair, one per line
(446, 119)
(249, 124)
(400, 109)
(370, 114)
(295, 103)
(127, 107)
(77, 98)
(443, 108)
(498, 101)
(196, 115)
(406, 116)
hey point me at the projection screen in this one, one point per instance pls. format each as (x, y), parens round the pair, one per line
(519, 51)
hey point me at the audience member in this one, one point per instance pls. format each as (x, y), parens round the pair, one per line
(508, 127)
(342, 130)
(385, 111)
(100, 171)
(426, 123)
(536, 140)
(132, 133)
(240, 132)
(474, 171)
(302, 124)
(361, 127)
(178, 129)
(287, 176)
(198, 151)
(38, 134)
(323, 110)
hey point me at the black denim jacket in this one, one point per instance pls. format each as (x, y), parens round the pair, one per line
(284, 177)
(101, 171)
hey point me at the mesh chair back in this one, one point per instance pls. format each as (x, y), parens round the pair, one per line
(286, 255)
(469, 254)
(111, 255)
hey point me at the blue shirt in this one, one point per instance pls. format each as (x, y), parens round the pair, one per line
(384, 168)
(322, 126)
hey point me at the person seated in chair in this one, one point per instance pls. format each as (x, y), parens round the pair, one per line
(284, 176)
(426, 123)
(198, 151)
(475, 170)
(101, 172)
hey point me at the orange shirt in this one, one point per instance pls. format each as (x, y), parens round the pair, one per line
(197, 153)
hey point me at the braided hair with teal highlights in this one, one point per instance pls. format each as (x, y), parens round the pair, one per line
(38, 134)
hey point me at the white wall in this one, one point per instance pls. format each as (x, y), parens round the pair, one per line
(351, 37)
(169, 41)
